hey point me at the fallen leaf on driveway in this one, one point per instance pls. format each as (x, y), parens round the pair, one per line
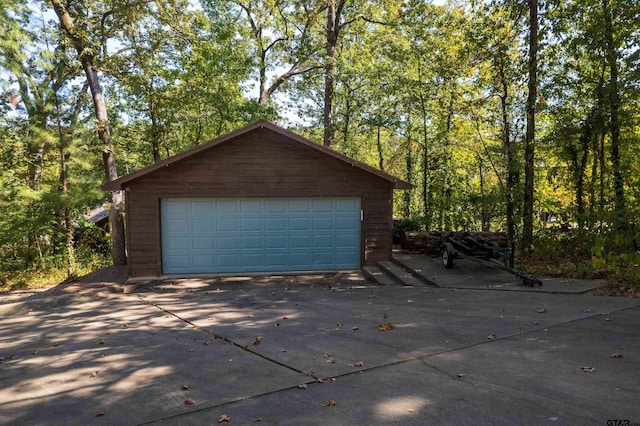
(357, 364)
(224, 418)
(615, 355)
(355, 328)
(303, 386)
(331, 361)
(185, 387)
(100, 413)
(588, 369)
(329, 402)
(189, 401)
(94, 374)
(386, 324)
(460, 375)
(257, 341)
(542, 311)
(409, 301)
(101, 342)
(491, 336)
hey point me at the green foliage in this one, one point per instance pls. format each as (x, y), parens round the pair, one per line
(52, 271)
(432, 94)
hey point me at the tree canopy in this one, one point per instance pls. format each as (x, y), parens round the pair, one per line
(509, 116)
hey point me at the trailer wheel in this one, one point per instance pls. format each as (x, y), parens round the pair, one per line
(447, 259)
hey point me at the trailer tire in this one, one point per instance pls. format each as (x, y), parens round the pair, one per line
(447, 259)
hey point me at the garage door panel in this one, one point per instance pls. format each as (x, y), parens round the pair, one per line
(276, 260)
(250, 260)
(323, 258)
(202, 260)
(299, 206)
(228, 260)
(175, 208)
(323, 205)
(252, 224)
(226, 224)
(346, 241)
(203, 243)
(202, 208)
(323, 223)
(278, 242)
(179, 243)
(179, 261)
(275, 206)
(323, 241)
(227, 243)
(346, 222)
(178, 225)
(252, 242)
(298, 242)
(343, 259)
(201, 225)
(347, 205)
(299, 224)
(301, 258)
(224, 206)
(242, 235)
(276, 224)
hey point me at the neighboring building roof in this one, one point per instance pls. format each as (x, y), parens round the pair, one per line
(120, 183)
(99, 216)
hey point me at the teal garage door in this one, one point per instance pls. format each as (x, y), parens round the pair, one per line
(260, 235)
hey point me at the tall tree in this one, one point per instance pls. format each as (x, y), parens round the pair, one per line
(612, 57)
(529, 150)
(85, 55)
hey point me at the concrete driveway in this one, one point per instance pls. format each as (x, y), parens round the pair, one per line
(311, 350)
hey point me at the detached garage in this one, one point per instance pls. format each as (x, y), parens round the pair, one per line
(260, 199)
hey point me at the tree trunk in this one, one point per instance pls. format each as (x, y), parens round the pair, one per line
(614, 120)
(332, 30)
(529, 154)
(408, 173)
(155, 127)
(425, 153)
(484, 215)
(511, 162)
(116, 220)
(380, 153)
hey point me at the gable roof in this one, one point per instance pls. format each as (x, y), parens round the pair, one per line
(120, 183)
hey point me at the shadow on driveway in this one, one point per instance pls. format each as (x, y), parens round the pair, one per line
(309, 350)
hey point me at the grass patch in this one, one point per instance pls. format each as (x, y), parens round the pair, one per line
(584, 258)
(51, 272)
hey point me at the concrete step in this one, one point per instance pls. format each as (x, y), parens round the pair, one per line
(379, 276)
(402, 275)
(417, 265)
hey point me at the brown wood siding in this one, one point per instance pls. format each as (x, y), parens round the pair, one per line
(259, 164)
